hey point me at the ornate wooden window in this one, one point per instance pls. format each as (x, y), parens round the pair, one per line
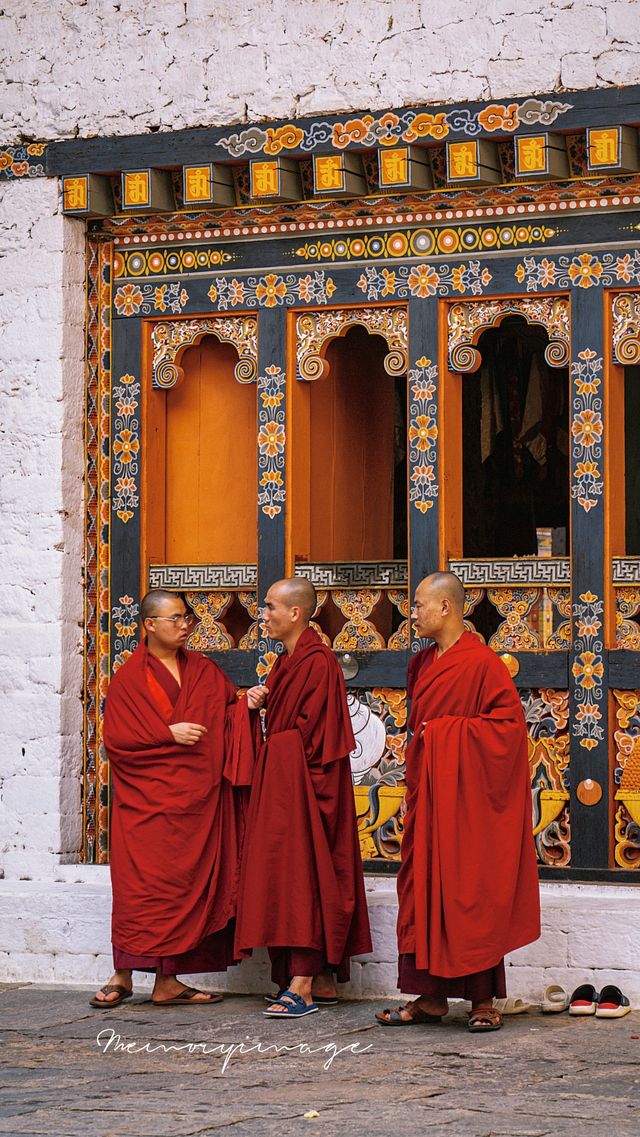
(298, 375)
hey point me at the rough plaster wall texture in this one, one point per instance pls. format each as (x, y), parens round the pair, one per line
(41, 427)
(59, 933)
(86, 67)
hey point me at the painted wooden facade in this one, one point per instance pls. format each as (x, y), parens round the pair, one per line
(289, 329)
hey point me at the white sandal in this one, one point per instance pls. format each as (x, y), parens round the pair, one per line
(554, 1000)
(511, 1006)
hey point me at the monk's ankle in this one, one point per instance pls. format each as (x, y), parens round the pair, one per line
(301, 985)
(431, 1005)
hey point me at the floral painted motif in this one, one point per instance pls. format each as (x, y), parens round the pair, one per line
(625, 314)
(586, 429)
(584, 270)
(424, 280)
(130, 299)
(271, 441)
(210, 633)
(628, 618)
(358, 633)
(588, 670)
(125, 625)
(626, 777)
(126, 448)
(271, 290)
(423, 434)
(266, 660)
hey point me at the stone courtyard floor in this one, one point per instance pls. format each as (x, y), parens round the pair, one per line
(141, 1071)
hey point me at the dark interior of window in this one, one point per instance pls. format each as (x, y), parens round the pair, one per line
(515, 445)
(632, 459)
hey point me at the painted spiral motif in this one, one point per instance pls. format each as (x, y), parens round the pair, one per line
(557, 353)
(465, 358)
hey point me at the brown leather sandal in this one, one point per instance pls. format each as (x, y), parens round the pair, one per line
(485, 1018)
(186, 999)
(106, 1004)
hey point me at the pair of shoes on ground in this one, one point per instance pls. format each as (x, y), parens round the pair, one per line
(610, 1003)
(482, 1020)
(186, 998)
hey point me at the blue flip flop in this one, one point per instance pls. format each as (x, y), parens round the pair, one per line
(321, 1000)
(296, 1009)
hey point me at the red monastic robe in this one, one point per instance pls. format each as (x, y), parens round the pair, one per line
(301, 881)
(176, 819)
(468, 885)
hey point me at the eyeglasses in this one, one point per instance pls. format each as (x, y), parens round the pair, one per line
(185, 618)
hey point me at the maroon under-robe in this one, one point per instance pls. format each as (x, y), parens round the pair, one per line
(177, 814)
(301, 884)
(467, 887)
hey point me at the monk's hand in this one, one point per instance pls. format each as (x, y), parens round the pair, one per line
(256, 698)
(187, 733)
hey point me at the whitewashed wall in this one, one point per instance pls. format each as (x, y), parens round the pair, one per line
(58, 932)
(108, 67)
(41, 425)
(120, 67)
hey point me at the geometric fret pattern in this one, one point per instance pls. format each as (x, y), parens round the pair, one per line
(202, 577)
(519, 571)
(360, 574)
(626, 570)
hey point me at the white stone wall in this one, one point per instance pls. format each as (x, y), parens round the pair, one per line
(41, 430)
(119, 67)
(59, 933)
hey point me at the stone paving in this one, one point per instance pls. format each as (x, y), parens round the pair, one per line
(139, 1071)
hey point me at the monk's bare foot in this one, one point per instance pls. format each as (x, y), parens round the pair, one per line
(118, 979)
(484, 1016)
(299, 985)
(169, 987)
(323, 987)
(424, 1004)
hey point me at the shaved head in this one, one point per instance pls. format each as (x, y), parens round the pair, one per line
(449, 585)
(297, 592)
(438, 609)
(155, 600)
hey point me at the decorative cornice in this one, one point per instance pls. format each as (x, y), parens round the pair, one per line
(626, 328)
(469, 319)
(315, 328)
(169, 337)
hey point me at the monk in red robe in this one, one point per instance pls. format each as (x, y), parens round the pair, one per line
(301, 886)
(176, 817)
(468, 885)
